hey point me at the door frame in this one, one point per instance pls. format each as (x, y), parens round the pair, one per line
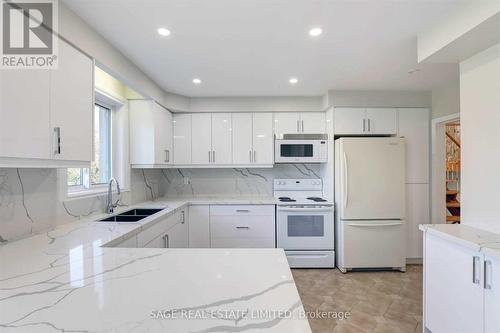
(438, 170)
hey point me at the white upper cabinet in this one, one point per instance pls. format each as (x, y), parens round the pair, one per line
(299, 122)
(362, 121)
(25, 114)
(491, 294)
(313, 122)
(286, 123)
(382, 121)
(414, 125)
(349, 121)
(242, 138)
(221, 138)
(202, 138)
(253, 138)
(47, 114)
(72, 104)
(182, 138)
(150, 134)
(263, 140)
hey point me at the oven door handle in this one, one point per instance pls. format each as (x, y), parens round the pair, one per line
(311, 210)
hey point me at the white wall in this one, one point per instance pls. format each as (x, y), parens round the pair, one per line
(374, 98)
(446, 99)
(480, 125)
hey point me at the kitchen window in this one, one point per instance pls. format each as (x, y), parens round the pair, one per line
(80, 179)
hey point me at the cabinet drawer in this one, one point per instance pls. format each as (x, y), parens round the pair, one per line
(242, 210)
(242, 227)
(243, 243)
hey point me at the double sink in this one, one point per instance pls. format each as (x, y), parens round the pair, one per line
(132, 215)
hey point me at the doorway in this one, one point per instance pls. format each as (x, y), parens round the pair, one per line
(445, 175)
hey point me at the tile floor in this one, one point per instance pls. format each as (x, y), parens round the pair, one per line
(378, 302)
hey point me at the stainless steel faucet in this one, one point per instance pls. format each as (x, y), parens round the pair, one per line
(110, 207)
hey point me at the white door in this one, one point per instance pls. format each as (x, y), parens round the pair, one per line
(24, 114)
(414, 127)
(372, 178)
(453, 301)
(163, 132)
(72, 103)
(492, 294)
(372, 243)
(313, 122)
(417, 212)
(382, 121)
(242, 138)
(286, 123)
(349, 121)
(221, 138)
(182, 138)
(263, 140)
(199, 226)
(201, 138)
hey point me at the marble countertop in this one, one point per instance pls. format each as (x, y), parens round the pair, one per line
(250, 200)
(473, 238)
(66, 281)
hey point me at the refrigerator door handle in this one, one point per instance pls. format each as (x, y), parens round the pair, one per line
(346, 186)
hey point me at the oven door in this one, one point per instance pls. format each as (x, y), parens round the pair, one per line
(305, 228)
(291, 151)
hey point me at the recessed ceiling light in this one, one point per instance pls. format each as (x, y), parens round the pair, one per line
(197, 81)
(315, 32)
(163, 32)
(293, 80)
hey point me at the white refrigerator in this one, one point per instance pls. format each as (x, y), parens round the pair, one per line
(370, 203)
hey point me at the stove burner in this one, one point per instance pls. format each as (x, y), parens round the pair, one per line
(286, 199)
(316, 199)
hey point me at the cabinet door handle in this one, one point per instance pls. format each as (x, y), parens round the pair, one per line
(166, 241)
(255, 156)
(57, 134)
(250, 155)
(183, 217)
(242, 211)
(213, 156)
(487, 284)
(302, 126)
(246, 228)
(475, 278)
(168, 155)
(364, 125)
(209, 156)
(298, 127)
(369, 125)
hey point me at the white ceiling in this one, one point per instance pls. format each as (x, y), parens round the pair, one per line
(253, 47)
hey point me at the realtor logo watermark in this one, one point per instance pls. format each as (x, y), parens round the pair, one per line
(28, 41)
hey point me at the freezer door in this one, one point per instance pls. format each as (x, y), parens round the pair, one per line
(372, 178)
(373, 244)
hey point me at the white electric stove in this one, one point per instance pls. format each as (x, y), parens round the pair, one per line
(305, 223)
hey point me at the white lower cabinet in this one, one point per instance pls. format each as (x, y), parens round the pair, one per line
(130, 242)
(461, 288)
(491, 294)
(417, 212)
(242, 226)
(171, 232)
(199, 226)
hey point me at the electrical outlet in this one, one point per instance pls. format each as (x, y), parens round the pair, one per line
(186, 181)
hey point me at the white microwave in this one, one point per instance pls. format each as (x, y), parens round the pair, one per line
(301, 148)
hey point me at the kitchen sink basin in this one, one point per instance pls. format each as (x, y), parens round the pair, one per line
(132, 215)
(123, 218)
(141, 211)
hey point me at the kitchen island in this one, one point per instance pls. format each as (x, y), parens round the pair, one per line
(68, 280)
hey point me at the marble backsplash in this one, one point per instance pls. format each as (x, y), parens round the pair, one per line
(30, 202)
(232, 182)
